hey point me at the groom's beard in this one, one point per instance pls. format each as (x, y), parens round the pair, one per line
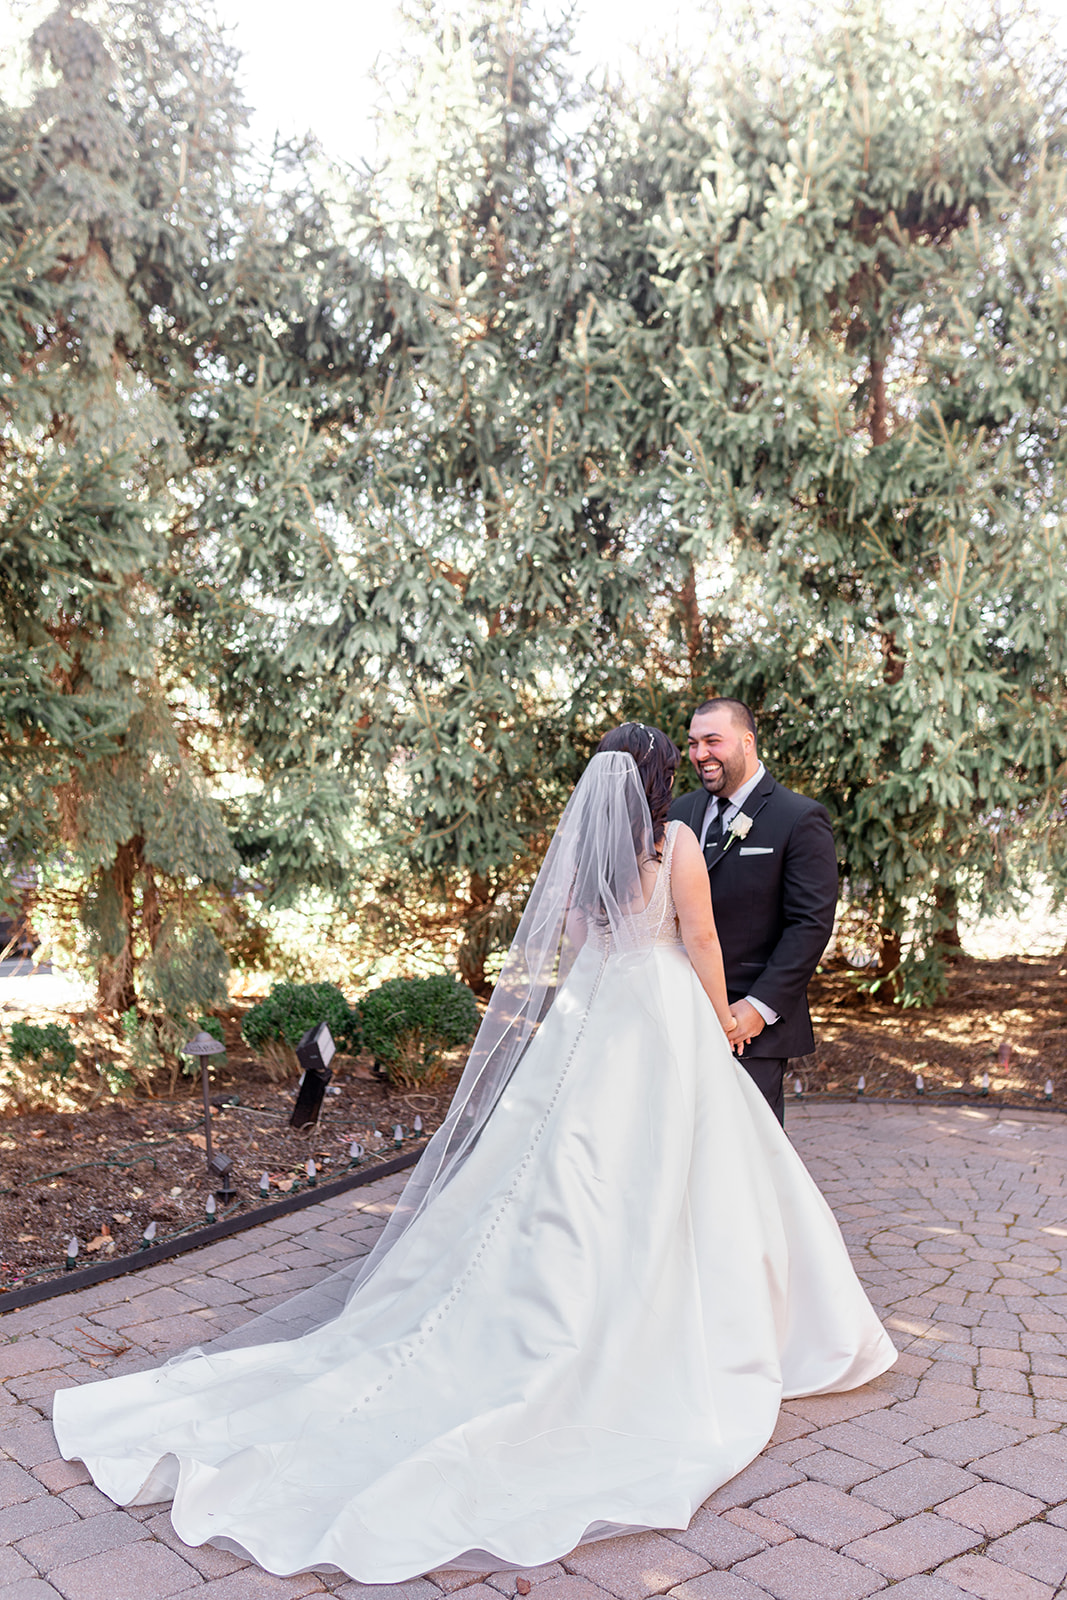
(722, 777)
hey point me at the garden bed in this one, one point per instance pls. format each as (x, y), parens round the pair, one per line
(103, 1172)
(1007, 1018)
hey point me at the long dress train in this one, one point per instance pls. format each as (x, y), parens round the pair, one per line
(588, 1330)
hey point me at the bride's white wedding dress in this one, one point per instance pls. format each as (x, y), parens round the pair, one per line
(587, 1331)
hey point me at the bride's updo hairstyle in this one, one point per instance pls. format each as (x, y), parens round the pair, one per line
(657, 759)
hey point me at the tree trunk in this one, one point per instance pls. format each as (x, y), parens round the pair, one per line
(694, 632)
(115, 991)
(475, 945)
(948, 935)
(892, 665)
(151, 918)
(879, 415)
(892, 659)
(889, 962)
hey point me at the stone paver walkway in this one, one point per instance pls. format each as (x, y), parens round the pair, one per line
(944, 1480)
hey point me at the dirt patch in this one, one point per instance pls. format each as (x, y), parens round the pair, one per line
(104, 1172)
(1007, 1018)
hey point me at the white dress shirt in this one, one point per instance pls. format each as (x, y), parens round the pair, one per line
(729, 807)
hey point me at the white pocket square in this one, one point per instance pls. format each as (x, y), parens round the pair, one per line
(757, 850)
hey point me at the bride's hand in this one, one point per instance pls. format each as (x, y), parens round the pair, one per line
(730, 1024)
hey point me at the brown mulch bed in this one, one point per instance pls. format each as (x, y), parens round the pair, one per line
(104, 1172)
(1007, 1018)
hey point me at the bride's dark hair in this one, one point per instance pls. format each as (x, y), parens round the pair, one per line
(657, 760)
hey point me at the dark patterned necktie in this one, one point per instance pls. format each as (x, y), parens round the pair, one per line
(713, 837)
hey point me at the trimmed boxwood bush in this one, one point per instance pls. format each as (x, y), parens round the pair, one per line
(275, 1025)
(410, 1022)
(50, 1047)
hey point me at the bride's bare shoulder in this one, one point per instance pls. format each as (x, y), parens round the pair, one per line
(685, 846)
(688, 868)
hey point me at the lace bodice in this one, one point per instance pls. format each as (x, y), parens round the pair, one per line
(662, 917)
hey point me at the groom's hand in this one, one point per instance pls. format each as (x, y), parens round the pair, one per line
(749, 1023)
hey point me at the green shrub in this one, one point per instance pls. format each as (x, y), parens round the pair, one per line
(213, 1027)
(146, 1058)
(275, 1025)
(51, 1047)
(410, 1022)
(116, 1077)
(184, 976)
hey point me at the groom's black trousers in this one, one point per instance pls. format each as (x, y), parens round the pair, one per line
(768, 1074)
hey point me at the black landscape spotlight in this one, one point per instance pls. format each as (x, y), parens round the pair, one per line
(219, 1166)
(314, 1052)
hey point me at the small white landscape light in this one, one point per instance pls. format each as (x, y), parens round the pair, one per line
(148, 1238)
(218, 1165)
(920, 1083)
(1048, 1088)
(72, 1252)
(264, 1186)
(985, 1083)
(209, 1208)
(798, 1088)
(861, 1087)
(398, 1136)
(418, 1126)
(312, 1172)
(355, 1153)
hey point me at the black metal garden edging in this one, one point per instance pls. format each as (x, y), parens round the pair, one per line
(67, 1282)
(100, 1271)
(951, 1097)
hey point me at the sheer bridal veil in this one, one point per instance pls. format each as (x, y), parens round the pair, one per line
(588, 889)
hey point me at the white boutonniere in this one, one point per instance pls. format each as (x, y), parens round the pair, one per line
(738, 829)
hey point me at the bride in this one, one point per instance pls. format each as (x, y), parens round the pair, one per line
(606, 1271)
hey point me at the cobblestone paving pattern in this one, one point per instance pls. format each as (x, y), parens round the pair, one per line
(944, 1480)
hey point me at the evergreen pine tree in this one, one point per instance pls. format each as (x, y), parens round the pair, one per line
(861, 265)
(340, 515)
(498, 586)
(158, 323)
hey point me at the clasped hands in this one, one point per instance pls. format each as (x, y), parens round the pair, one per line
(747, 1022)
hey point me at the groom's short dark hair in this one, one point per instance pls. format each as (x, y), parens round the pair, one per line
(737, 709)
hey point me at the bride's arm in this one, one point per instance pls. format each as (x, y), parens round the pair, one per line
(692, 901)
(577, 927)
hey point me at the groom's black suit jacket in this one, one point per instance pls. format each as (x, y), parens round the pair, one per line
(774, 910)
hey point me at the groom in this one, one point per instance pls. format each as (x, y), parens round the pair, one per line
(773, 871)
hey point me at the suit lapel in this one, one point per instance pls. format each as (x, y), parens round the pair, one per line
(752, 805)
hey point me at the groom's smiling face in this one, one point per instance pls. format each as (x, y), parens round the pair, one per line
(722, 751)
